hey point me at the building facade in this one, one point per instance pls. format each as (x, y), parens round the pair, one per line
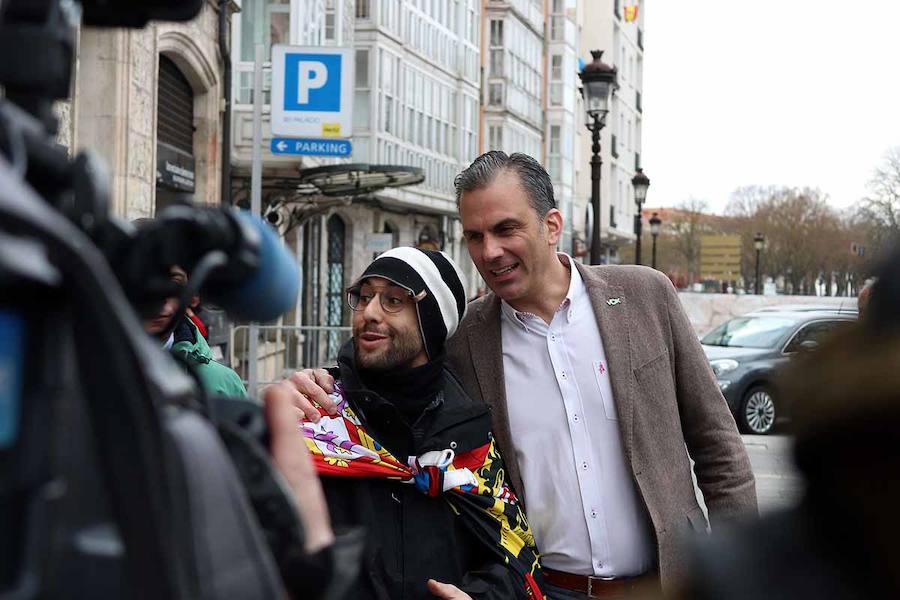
(563, 110)
(513, 65)
(604, 27)
(415, 107)
(149, 102)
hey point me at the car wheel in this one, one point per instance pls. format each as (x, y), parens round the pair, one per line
(758, 412)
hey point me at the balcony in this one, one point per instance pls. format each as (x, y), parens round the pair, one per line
(612, 146)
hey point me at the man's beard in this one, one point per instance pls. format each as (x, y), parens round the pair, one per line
(400, 351)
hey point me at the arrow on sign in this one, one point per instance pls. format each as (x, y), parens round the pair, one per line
(310, 146)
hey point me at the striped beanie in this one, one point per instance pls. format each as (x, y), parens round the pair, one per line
(417, 270)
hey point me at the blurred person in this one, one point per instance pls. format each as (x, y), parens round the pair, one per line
(406, 454)
(840, 542)
(862, 299)
(181, 335)
(193, 312)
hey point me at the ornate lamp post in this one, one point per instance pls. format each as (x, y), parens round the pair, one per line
(655, 223)
(640, 182)
(598, 79)
(759, 240)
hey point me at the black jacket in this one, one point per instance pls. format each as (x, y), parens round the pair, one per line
(410, 537)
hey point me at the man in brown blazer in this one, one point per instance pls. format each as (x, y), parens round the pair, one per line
(600, 391)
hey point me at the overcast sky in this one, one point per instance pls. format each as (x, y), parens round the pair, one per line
(781, 92)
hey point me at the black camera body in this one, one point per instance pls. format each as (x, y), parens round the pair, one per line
(117, 477)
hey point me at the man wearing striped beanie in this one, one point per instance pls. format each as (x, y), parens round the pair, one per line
(405, 454)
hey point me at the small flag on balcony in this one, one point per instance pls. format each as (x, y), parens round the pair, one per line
(631, 13)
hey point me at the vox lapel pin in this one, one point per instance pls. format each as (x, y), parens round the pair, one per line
(614, 301)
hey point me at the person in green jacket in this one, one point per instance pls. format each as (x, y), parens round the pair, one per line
(182, 337)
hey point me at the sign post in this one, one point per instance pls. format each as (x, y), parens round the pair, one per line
(720, 257)
(255, 203)
(312, 92)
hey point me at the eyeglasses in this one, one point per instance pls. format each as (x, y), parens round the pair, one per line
(393, 299)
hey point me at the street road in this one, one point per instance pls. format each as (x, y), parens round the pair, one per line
(778, 484)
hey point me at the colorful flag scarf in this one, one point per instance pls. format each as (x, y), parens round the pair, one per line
(471, 482)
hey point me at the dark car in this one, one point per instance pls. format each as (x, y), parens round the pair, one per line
(746, 353)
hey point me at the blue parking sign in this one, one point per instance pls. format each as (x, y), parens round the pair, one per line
(312, 82)
(312, 91)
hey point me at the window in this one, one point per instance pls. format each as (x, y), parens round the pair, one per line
(496, 63)
(637, 102)
(812, 335)
(612, 146)
(495, 137)
(362, 9)
(496, 32)
(362, 68)
(330, 20)
(264, 22)
(334, 300)
(557, 28)
(556, 67)
(556, 94)
(554, 139)
(388, 113)
(495, 94)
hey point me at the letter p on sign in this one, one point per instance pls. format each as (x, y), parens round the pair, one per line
(312, 82)
(311, 76)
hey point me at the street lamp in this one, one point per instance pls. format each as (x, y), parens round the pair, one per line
(655, 223)
(598, 80)
(759, 240)
(640, 182)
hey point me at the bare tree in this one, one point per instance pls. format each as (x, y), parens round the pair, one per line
(691, 221)
(881, 209)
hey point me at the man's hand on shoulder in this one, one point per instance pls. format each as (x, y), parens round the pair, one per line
(446, 591)
(310, 388)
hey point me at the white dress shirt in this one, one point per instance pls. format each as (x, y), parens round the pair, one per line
(582, 503)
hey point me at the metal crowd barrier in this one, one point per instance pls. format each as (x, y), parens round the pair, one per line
(283, 349)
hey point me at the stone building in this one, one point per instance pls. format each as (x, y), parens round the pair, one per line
(150, 103)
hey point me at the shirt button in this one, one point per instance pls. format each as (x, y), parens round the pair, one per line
(575, 418)
(584, 465)
(594, 514)
(562, 374)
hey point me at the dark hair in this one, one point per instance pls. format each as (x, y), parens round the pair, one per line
(532, 176)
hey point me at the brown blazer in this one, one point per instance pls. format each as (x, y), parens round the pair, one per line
(665, 394)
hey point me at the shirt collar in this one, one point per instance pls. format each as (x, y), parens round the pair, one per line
(573, 295)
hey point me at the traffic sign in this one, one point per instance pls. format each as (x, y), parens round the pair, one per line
(720, 257)
(312, 91)
(311, 147)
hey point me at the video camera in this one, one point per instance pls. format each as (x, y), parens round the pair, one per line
(117, 477)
